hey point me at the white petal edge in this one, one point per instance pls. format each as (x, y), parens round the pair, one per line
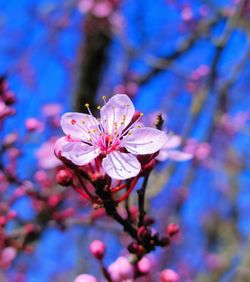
(173, 141)
(114, 110)
(143, 141)
(79, 153)
(121, 165)
(77, 125)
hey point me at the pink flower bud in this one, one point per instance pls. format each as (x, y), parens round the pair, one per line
(9, 98)
(172, 229)
(133, 248)
(97, 248)
(85, 278)
(9, 140)
(144, 265)
(11, 214)
(64, 177)
(169, 275)
(7, 256)
(144, 233)
(51, 110)
(41, 176)
(121, 270)
(2, 220)
(32, 124)
(54, 200)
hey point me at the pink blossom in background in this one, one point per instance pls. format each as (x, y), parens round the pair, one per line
(110, 137)
(45, 155)
(200, 151)
(97, 248)
(33, 124)
(168, 152)
(145, 265)
(169, 275)
(121, 270)
(85, 6)
(7, 256)
(100, 9)
(85, 278)
(51, 110)
(187, 13)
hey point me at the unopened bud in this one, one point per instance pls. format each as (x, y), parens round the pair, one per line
(97, 248)
(169, 275)
(9, 98)
(133, 248)
(172, 229)
(85, 278)
(64, 177)
(144, 265)
(33, 124)
(144, 233)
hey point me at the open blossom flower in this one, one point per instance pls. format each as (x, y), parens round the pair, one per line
(168, 151)
(114, 137)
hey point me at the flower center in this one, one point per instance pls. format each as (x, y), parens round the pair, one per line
(110, 144)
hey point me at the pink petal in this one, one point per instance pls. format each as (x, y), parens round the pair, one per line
(85, 278)
(77, 125)
(144, 140)
(79, 153)
(163, 155)
(114, 110)
(176, 155)
(173, 142)
(121, 165)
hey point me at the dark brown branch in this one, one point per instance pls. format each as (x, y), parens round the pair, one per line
(141, 201)
(165, 62)
(93, 58)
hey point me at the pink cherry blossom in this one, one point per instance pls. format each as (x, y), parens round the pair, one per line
(121, 270)
(51, 110)
(168, 275)
(85, 278)
(113, 137)
(145, 265)
(32, 124)
(97, 248)
(168, 151)
(8, 254)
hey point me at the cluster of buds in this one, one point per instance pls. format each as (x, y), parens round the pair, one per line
(48, 201)
(124, 268)
(148, 240)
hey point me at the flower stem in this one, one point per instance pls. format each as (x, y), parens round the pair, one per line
(141, 201)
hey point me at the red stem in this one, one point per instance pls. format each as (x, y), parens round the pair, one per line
(117, 188)
(123, 197)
